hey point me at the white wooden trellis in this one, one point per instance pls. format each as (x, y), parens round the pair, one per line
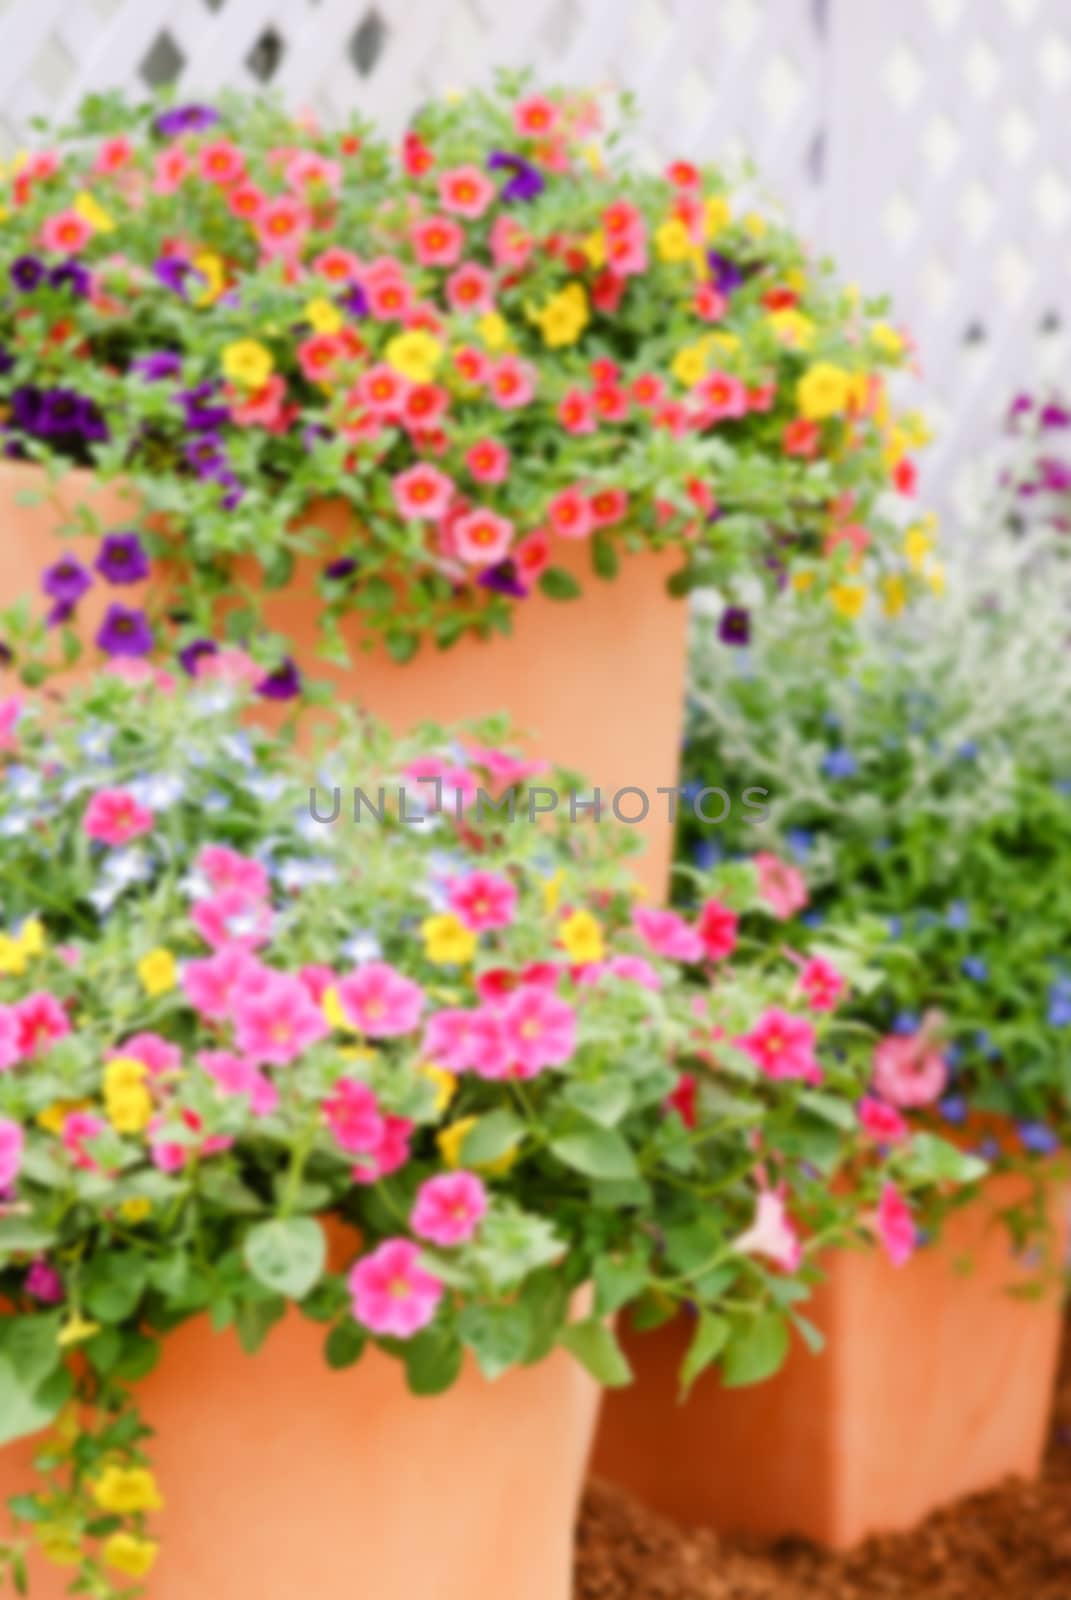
(919, 140)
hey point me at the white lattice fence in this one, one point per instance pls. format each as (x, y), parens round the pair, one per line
(920, 140)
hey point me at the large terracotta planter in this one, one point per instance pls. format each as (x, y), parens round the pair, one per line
(285, 1479)
(934, 1383)
(596, 684)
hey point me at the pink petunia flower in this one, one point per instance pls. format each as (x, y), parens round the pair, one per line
(896, 1226)
(823, 985)
(392, 1293)
(80, 1128)
(569, 514)
(66, 233)
(882, 1122)
(772, 1234)
(41, 1022)
(213, 983)
(280, 1023)
(716, 929)
(449, 1208)
(422, 491)
(781, 886)
(448, 1039)
(380, 1001)
(532, 556)
(282, 226)
(44, 1283)
(722, 396)
(512, 383)
(539, 1030)
(354, 1118)
(634, 969)
(229, 869)
(667, 934)
(488, 461)
(511, 245)
(483, 537)
(489, 1051)
(470, 290)
(10, 711)
(909, 1070)
(231, 918)
(156, 1054)
(684, 1099)
(437, 241)
(12, 1140)
(114, 817)
(466, 191)
(782, 1046)
(391, 1153)
(483, 900)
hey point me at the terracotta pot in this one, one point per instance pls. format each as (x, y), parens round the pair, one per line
(282, 1478)
(595, 684)
(934, 1383)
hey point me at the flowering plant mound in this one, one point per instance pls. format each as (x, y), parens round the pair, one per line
(926, 782)
(222, 1020)
(495, 340)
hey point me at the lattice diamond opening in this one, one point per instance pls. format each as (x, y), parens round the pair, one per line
(899, 218)
(693, 98)
(650, 26)
(1016, 134)
(1054, 59)
(163, 62)
(1012, 274)
(941, 143)
(946, 13)
(53, 68)
(981, 68)
(266, 56)
(1052, 199)
(561, 27)
(368, 42)
(780, 89)
(738, 20)
(903, 77)
(976, 207)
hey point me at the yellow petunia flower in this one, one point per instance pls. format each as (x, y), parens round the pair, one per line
(248, 364)
(136, 1209)
(32, 937)
(823, 391)
(54, 1116)
(59, 1544)
(917, 546)
(885, 338)
(893, 593)
(935, 577)
(802, 581)
(756, 224)
(443, 1082)
(564, 317)
(124, 1490)
(452, 1138)
(76, 1330)
(129, 1554)
(689, 365)
(594, 247)
(322, 316)
(581, 936)
(493, 329)
(335, 1013)
(213, 278)
(415, 354)
(793, 328)
(848, 599)
(158, 972)
(12, 957)
(90, 210)
(127, 1101)
(673, 240)
(552, 890)
(717, 214)
(447, 941)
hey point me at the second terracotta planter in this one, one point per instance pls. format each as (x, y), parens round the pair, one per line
(935, 1382)
(595, 684)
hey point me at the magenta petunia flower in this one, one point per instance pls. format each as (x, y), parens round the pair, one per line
(115, 817)
(782, 1046)
(353, 1116)
(393, 1294)
(449, 1208)
(539, 1030)
(42, 1022)
(896, 1226)
(667, 934)
(483, 900)
(380, 1002)
(278, 1024)
(12, 1140)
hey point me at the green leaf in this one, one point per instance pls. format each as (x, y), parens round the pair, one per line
(604, 557)
(491, 1138)
(287, 1254)
(24, 1408)
(254, 1320)
(137, 1358)
(402, 647)
(23, 1233)
(931, 1159)
(344, 1344)
(619, 1279)
(596, 1152)
(497, 1335)
(841, 1113)
(557, 584)
(433, 1361)
(595, 1346)
(708, 1341)
(605, 1101)
(756, 1349)
(114, 1285)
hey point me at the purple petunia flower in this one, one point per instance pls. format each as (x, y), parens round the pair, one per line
(1055, 416)
(60, 613)
(726, 274)
(354, 300)
(195, 652)
(201, 415)
(185, 119)
(502, 579)
(1054, 475)
(7, 360)
(61, 411)
(123, 559)
(92, 425)
(735, 626)
(74, 276)
(172, 272)
(234, 489)
(205, 454)
(526, 183)
(344, 567)
(66, 581)
(26, 407)
(157, 366)
(282, 683)
(125, 633)
(26, 273)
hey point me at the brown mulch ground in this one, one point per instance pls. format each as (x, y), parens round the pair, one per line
(1012, 1544)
